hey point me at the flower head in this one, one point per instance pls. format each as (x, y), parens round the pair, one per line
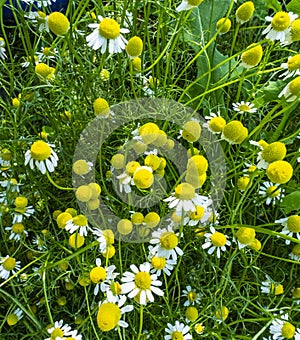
(234, 132)
(252, 56)
(14, 317)
(188, 4)
(282, 329)
(244, 12)
(191, 131)
(271, 192)
(59, 330)
(2, 49)
(193, 297)
(295, 254)
(291, 91)
(78, 222)
(17, 231)
(134, 47)
(280, 172)
(271, 287)
(215, 241)
(244, 107)
(291, 226)
(107, 33)
(292, 67)
(58, 23)
(224, 25)
(178, 331)
(215, 123)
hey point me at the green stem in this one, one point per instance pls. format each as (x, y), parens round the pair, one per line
(141, 323)
(56, 185)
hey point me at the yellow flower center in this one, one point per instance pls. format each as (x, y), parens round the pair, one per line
(217, 124)
(224, 313)
(176, 335)
(243, 182)
(134, 46)
(148, 132)
(245, 235)
(124, 226)
(274, 152)
(272, 191)
(97, 274)
(191, 313)
(288, 330)
(104, 75)
(191, 131)
(245, 11)
(293, 223)
(83, 193)
(295, 30)
(152, 219)
(198, 163)
(235, 132)
(195, 2)
(58, 23)
(185, 191)
(42, 69)
(158, 262)
(76, 240)
(62, 219)
(40, 150)
(21, 202)
(142, 280)
(101, 107)
(294, 86)
(109, 236)
(153, 161)
(116, 288)
(168, 240)
(225, 24)
(137, 64)
(12, 319)
(218, 239)
(137, 218)
(108, 316)
(9, 264)
(296, 250)
(143, 178)
(18, 228)
(117, 161)
(192, 296)
(81, 167)
(80, 220)
(198, 214)
(280, 172)
(109, 28)
(294, 63)
(199, 328)
(57, 332)
(296, 293)
(251, 57)
(276, 289)
(281, 21)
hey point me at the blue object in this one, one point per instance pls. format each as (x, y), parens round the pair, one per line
(8, 16)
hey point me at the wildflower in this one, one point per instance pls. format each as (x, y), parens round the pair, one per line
(147, 132)
(114, 291)
(280, 172)
(197, 163)
(105, 238)
(134, 47)
(271, 287)
(192, 296)
(234, 132)
(109, 314)
(296, 295)
(215, 123)
(165, 241)
(72, 336)
(191, 314)
(14, 317)
(40, 18)
(102, 277)
(42, 156)
(141, 284)
(292, 67)
(252, 56)
(184, 199)
(124, 226)
(270, 153)
(2, 49)
(59, 330)
(58, 23)
(117, 161)
(21, 209)
(188, 4)
(293, 34)
(244, 107)
(191, 131)
(243, 182)
(244, 12)
(76, 241)
(78, 222)
(178, 331)
(81, 167)
(17, 231)
(295, 254)
(108, 32)
(215, 241)
(83, 193)
(124, 182)
(224, 25)
(8, 266)
(280, 26)
(271, 192)
(199, 328)
(291, 225)
(101, 108)
(143, 177)
(46, 54)
(160, 264)
(137, 64)
(137, 218)
(104, 75)
(291, 91)
(245, 236)
(223, 315)
(282, 329)
(151, 220)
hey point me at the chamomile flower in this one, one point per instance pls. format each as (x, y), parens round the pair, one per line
(178, 331)
(215, 241)
(184, 199)
(165, 241)
(17, 231)
(47, 53)
(11, 185)
(291, 226)
(79, 222)
(141, 284)
(59, 330)
(72, 336)
(295, 254)
(292, 67)
(104, 237)
(125, 181)
(201, 215)
(193, 297)
(102, 276)
(271, 192)
(214, 122)
(271, 287)
(29, 60)
(279, 27)
(107, 34)
(110, 313)
(2, 49)
(40, 19)
(114, 291)
(188, 4)
(291, 91)
(160, 264)
(293, 34)
(8, 266)
(282, 329)
(22, 209)
(244, 236)
(14, 317)
(244, 107)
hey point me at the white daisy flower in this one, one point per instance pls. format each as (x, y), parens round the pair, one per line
(282, 329)
(214, 122)
(11, 185)
(72, 336)
(291, 226)
(215, 241)
(244, 107)
(17, 231)
(2, 49)
(140, 284)
(295, 254)
(291, 90)
(28, 61)
(40, 18)
(79, 222)
(14, 317)
(59, 330)
(271, 192)
(165, 241)
(125, 182)
(8, 266)
(184, 199)
(107, 33)
(42, 156)
(160, 264)
(271, 287)
(192, 296)
(292, 67)
(20, 213)
(279, 27)
(104, 237)
(178, 331)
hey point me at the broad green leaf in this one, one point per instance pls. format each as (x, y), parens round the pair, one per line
(294, 6)
(291, 202)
